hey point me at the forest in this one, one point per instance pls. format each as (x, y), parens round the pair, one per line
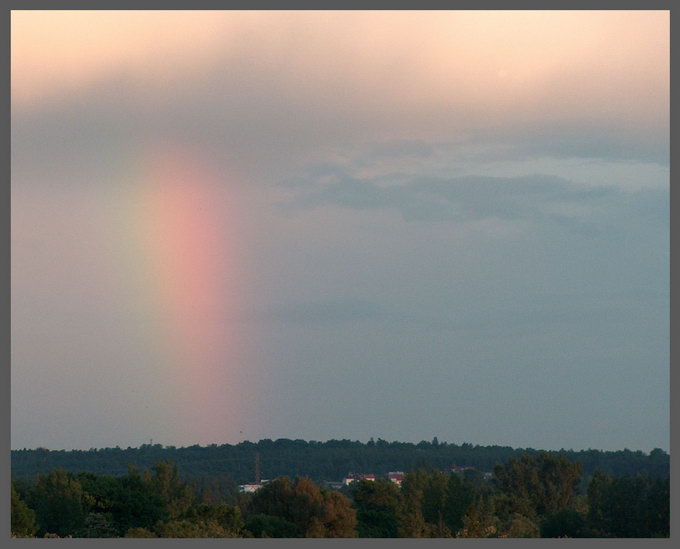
(319, 461)
(528, 495)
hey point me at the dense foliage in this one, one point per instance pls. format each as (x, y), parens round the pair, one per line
(223, 467)
(530, 495)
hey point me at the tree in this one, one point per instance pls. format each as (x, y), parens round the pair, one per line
(411, 520)
(339, 518)
(180, 529)
(58, 503)
(480, 520)
(129, 501)
(537, 485)
(377, 504)
(315, 512)
(519, 526)
(23, 518)
(658, 508)
(269, 526)
(139, 533)
(629, 507)
(597, 503)
(459, 497)
(568, 523)
(136, 503)
(176, 495)
(434, 503)
(217, 521)
(98, 525)
(435, 493)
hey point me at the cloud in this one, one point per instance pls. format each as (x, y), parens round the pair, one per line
(268, 89)
(621, 141)
(465, 198)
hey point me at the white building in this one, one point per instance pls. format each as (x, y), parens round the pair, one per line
(353, 478)
(249, 488)
(396, 476)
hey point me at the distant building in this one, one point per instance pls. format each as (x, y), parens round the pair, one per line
(249, 488)
(460, 469)
(332, 485)
(349, 479)
(396, 476)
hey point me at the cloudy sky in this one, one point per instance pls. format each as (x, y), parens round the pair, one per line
(245, 225)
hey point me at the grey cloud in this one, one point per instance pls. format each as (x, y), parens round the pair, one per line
(530, 197)
(609, 143)
(256, 122)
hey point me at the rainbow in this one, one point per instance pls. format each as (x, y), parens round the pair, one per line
(185, 260)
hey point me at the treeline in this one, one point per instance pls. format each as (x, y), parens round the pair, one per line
(531, 495)
(319, 461)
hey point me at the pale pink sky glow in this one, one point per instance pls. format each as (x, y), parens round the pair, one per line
(509, 64)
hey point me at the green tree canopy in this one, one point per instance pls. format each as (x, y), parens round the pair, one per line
(23, 518)
(568, 523)
(459, 497)
(269, 526)
(58, 503)
(176, 494)
(377, 504)
(537, 485)
(314, 511)
(629, 506)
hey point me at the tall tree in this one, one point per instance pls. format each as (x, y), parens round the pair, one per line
(339, 518)
(166, 482)
(538, 485)
(629, 507)
(377, 504)
(412, 523)
(23, 518)
(269, 526)
(58, 502)
(459, 497)
(98, 525)
(315, 512)
(218, 521)
(435, 494)
(598, 514)
(568, 523)
(480, 520)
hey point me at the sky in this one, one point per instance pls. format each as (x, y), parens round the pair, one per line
(233, 226)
